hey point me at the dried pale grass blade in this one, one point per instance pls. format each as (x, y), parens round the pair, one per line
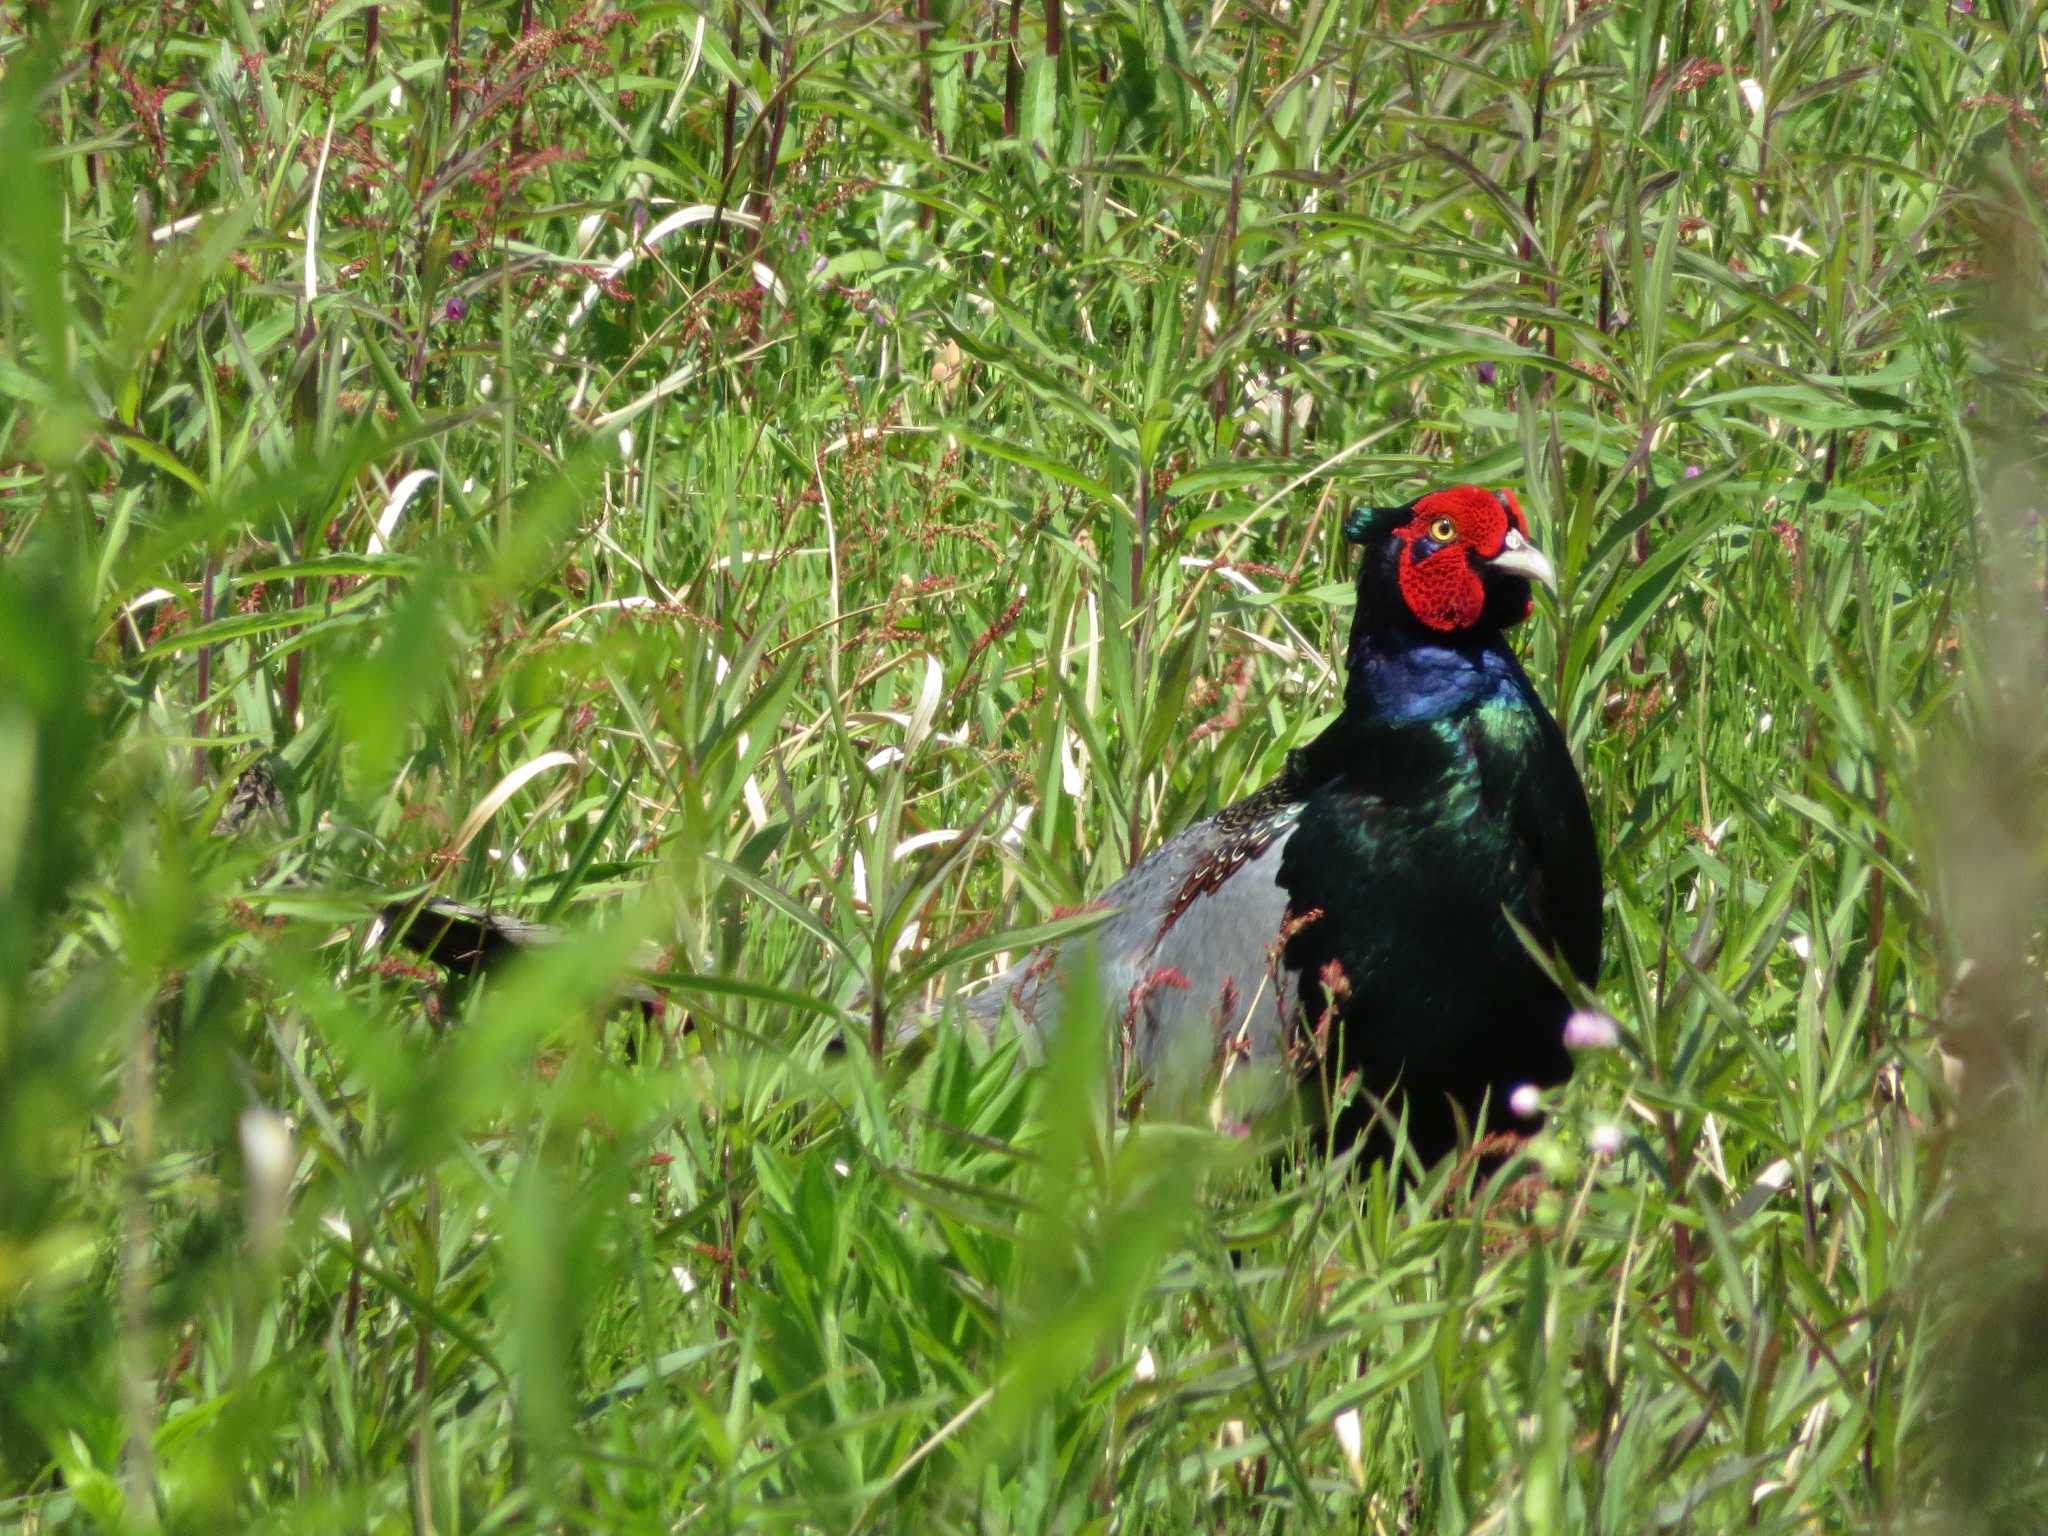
(1351, 1441)
(1072, 780)
(1300, 649)
(690, 64)
(1091, 690)
(927, 705)
(750, 792)
(638, 601)
(176, 227)
(909, 1463)
(313, 217)
(766, 280)
(749, 556)
(660, 230)
(634, 407)
(937, 838)
(1289, 654)
(394, 508)
(504, 790)
(872, 434)
(147, 599)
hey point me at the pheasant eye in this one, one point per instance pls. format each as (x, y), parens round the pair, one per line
(1443, 530)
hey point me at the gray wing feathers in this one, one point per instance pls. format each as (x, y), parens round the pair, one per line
(1189, 968)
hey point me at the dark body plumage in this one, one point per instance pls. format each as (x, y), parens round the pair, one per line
(1363, 896)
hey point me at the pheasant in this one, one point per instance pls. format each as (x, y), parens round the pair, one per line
(1354, 920)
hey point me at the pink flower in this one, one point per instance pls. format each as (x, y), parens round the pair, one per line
(1590, 1030)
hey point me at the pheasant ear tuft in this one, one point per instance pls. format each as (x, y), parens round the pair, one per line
(1365, 523)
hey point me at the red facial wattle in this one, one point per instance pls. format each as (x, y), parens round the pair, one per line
(1441, 589)
(1437, 578)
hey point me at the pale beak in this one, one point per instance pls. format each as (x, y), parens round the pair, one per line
(1521, 558)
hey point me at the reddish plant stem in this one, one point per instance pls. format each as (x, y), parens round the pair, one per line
(291, 664)
(199, 714)
(1880, 798)
(924, 71)
(454, 65)
(1013, 73)
(92, 94)
(771, 150)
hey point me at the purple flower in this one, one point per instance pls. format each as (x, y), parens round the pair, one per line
(1692, 471)
(1487, 373)
(1590, 1030)
(456, 309)
(1966, 7)
(458, 260)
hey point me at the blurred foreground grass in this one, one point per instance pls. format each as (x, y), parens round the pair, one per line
(819, 490)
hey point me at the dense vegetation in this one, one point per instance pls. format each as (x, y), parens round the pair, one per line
(817, 490)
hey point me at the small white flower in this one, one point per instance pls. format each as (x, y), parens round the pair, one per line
(1606, 1139)
(1752, 94)
(1147, 1369)
(625, 442)
(1526, 1101)
(485, 385)
(685, 1281)
(1802, 946)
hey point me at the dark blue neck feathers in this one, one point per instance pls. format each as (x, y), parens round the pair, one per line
(1400, 671)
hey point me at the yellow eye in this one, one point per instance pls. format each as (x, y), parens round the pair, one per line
(1443, 530)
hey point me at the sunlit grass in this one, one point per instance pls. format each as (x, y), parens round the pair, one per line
(801, 501)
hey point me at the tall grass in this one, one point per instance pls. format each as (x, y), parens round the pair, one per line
(818, 491)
